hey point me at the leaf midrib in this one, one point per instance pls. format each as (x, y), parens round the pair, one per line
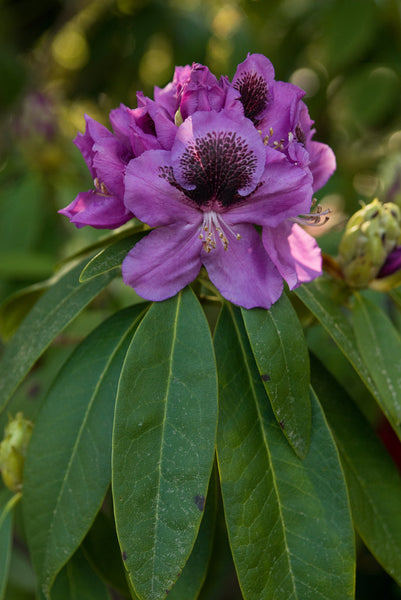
(287, 550)
(171, 355)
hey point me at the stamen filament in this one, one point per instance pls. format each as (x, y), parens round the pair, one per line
(213, 224)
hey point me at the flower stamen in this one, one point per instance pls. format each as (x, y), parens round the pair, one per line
(101, 187)
(213, 225)
(316, 218)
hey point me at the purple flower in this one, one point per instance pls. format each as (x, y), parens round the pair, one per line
(106, 158)
(278, 112)
(204, 198)
(392, 263)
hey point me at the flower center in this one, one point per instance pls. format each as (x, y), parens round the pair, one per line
(213, 227)
(215, 167)
(254, 93)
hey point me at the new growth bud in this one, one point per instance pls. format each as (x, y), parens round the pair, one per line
(13, 450)
(370, 236)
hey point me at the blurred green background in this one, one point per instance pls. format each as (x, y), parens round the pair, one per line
(60, 59)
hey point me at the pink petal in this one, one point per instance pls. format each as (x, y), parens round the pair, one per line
(244, 273)
(164, 262)
(322, 165)
(294, 252)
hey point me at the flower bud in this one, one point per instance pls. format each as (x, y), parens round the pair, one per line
(370, 236)
(13, 450)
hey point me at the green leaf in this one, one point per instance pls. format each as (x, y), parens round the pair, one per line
(288, 519)
(317, 297)
(77, 581)
(373, 480)
(68, 465)
(111, 257)
(58, 306)
(280, 350)
(103, 553)
(380, 346)
(7, 503)
(163, 442)
(192, 577)
(15, 308)
(106, 240)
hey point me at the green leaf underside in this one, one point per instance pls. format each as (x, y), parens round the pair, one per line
(163, 442)
(51, 314)
(288, 519)
(111, 257)
(373, 480)
(316, 297)
(68, 466)
(77, 581)
(280, 351)
(380, 346)
(5, 538)
(192, 577)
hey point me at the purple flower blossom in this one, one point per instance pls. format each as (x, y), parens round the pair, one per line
(204, 198)
(223, 171)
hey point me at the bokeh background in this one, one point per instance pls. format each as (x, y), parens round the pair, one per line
(60, 59)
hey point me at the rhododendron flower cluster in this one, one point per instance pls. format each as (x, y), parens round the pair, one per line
(224, 172)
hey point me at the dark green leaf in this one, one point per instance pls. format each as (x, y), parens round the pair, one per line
(50, 315)
(163, 442)
(380, 346)
(15, 308)
(288, 519)
(68, 465)
(317, 297)
(103, 553)
(373, 480)
(77, 581)
(111, 257)
(280, 350)
(192, 577)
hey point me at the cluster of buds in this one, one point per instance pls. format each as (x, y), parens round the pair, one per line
(13, 451)
(370, 249)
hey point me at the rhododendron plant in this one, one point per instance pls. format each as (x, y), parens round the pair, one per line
(203, 164)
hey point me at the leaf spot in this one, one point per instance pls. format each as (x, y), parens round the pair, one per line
(282, 425)
(200, 502)
(124, 555)
(265, 377)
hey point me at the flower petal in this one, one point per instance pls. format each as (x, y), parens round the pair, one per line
(97, 210)
(322, 165)
(215, 153)
(285, 191)
(163, 262)
(294, 252)
(254, 79)
(244, 273)
(151, 196)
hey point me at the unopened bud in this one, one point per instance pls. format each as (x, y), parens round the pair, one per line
(371, 234)
(13, 450)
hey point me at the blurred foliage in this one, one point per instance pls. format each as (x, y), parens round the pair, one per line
(62, 58)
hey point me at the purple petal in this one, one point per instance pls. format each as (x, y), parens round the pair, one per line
(168, 96)
(294, 252)
(202, 92)
(285, 191)
(392, 263)
(109, 162)
(322, 165)
(120, 119)
(282, 115)
(254, 80)
(244, 273)
(97, 210)
(212, 150)
(164, 262)
(151, 195)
